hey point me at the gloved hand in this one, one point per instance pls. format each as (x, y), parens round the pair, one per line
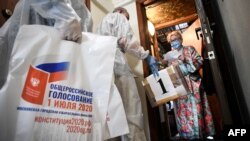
(122, 43)
(153, 65)
(67, 22)
(71, 31)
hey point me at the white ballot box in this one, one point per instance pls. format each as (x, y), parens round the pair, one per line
(168, 86)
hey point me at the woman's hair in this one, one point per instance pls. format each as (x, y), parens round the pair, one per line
(122, 11)
(174, 33)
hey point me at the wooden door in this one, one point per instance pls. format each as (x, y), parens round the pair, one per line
(190, 37)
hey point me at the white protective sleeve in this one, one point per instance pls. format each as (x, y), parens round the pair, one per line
(84, 13)
(66, 19)
(116, 24)
(57, 13)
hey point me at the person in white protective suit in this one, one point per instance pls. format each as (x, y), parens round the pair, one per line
(117, 24)
(70, 17)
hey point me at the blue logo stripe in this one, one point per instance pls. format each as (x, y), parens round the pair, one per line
(54, 67)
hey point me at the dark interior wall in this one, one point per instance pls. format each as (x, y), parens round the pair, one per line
(234, 23)
(6, 4)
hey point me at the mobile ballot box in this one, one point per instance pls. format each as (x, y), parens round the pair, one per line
(170, 85)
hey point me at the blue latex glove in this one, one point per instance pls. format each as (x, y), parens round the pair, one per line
(153, 65)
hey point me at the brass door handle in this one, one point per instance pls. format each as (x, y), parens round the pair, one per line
(6, 13)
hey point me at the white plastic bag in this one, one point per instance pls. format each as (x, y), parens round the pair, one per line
(56, 90)
(116, 119)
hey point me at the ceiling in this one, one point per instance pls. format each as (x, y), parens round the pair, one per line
(164, 13)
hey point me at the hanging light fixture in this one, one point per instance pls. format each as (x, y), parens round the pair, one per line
(151, 28)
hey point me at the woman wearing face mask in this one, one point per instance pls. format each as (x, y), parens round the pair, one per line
(193, 115)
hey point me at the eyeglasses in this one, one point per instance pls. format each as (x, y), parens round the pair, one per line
(174, 40)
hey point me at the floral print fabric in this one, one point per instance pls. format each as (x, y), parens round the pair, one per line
(193, 116)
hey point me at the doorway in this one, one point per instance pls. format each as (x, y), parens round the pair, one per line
(181, 15)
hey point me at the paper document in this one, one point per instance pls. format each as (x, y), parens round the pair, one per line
(171, 55)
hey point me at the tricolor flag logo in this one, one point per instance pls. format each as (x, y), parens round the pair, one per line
(39, 76)
(58, 71)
